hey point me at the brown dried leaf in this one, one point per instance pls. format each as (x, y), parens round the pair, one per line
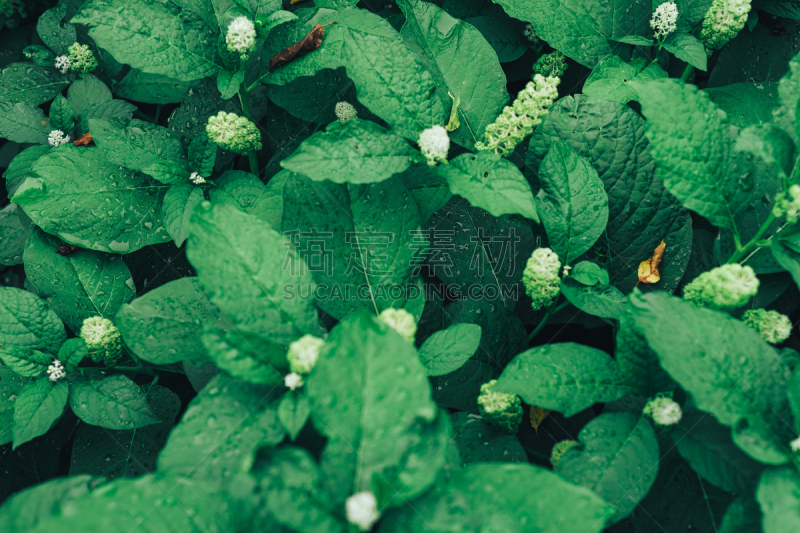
(537, 416)
(84, 140)
(66, 249)
(296, 1)
(310, 42)
(648, 270)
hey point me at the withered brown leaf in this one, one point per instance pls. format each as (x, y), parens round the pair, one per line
(66, 249)
(648, 270)
(84, 140)
(310, 42)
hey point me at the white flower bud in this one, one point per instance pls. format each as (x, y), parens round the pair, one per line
(663, 411)
(345, 111)
(293, 380)
(241, 36)
(434, 144)
(362, 510)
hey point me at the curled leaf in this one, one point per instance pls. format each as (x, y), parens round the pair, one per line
(454, 122)
(310, 42)
(648, 270)
(84, 140)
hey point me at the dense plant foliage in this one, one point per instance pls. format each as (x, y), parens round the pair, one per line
(415, 266)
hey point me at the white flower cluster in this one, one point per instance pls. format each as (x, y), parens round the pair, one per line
(774, 327)
(723, 21)
(303, 353)
(401, 321)
(241, 36)
(540, 277)
(196, 178)
(664, 411)
(56, 370)
(434, 144)
(57, 138)
(63, 64)
(664, 19)
(345, 111)
(789, 207)
(362, 510)
(293, 380)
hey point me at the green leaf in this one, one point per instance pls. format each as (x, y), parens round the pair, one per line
(87, 92)
(480, 442)
(23, 123)
(32, 84)
(779, 495)
(356, 151)
(581, 30)
(221, 430)
(447, 350)
(143, 146)
(688, 48)
(275, 19)
(26, 362)
(610, 78)
(228, 84)
(619, 460)
(246, 355)
(572, 202)
(113, 402)
(691, 147)
(100, 205)
(760, 441)
(154, 37)
(28, 322)
(198, 104)
(72, 352)
(603, 300)
(38, 406)
(149, 88)
(370, 396)
(110, 109)
(461, 63)
(491, 183)
(202, 155)
(15, 226)
(21, 165)
(293, 412)
(10, 385)
(247, 193)
(786, 113)
(727, 367)
(742, 516)
(771, 144)
(564, 377)
(427, 187)
(62, 117)
(164, 325)
(55, 31)
(81, 285)
(508, 493)
(707, 447)
(125, 453)
(178, 205)
(392, 83)
(635, 40)
(746, 104)
(354, 268)
(500, 35)
(23, 511)
(309, 98)
(245, 267)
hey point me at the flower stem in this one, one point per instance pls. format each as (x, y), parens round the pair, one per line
(754, 243)
(686, 73)
(244, 98)
(552, 310)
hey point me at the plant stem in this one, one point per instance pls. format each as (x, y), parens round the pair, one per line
(552, 310)
(244, 99)
(754, 242)
(536, 454)
(686, 73)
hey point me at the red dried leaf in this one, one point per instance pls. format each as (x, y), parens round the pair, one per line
(84, 140)
(310, 42)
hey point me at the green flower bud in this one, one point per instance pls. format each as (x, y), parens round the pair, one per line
(345, 111)
(560, 449)
(664, 411)
(102, 339)
(723, 21)
(540, 277)
(234, 133)
(81, 59)
(500, 409)
(771, 325)
(724, 288)
(551, 65)
(401, 321)
(303, 353)
(788, 205)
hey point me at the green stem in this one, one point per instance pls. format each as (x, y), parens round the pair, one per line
(753, 243)
(552, 310)
(244, 99)
(686, 73)
(158, 112)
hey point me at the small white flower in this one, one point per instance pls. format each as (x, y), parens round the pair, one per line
(362, 510)
(565, 272)
(57, 138)
(63, 64)
(795, 445)
(434, 144)
(664, 411)
(196, 178)
(241, 36)
(56, 370)
(664, 19)
(345, 111)
(293, 380)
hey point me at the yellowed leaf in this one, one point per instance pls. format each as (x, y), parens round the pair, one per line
(537, 416)
(648, 270)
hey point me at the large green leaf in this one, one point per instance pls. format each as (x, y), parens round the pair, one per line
(86, 92)
(141, 86)
(491, 183)
(609, 79)
(248, 193)
(462, 64)
(39, 404)
(746, 104)
(507, 44)
(76, 194)
(447, 350)
(113, 402)
(56, 32)
(515, 498)
(221, 430)
(143, 146)
(177, 207)
(21, 165)
(563, 377)
(25, 362)
(572, 202)
(125, 453)
(29, 83)
(10, 385)
(619, 460)
(581, 29)
(370, 396)
(23, 123)
(164, 326)
(15, 227)
(356, 151)
(155, 37)
(28, 322)
(786, 113)
(779, 495)
(245, 268)
(727, 367)
(21, 512)
(359, 241)
(246, 355)
(392, 82)
(481, 442)
(82, 284)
